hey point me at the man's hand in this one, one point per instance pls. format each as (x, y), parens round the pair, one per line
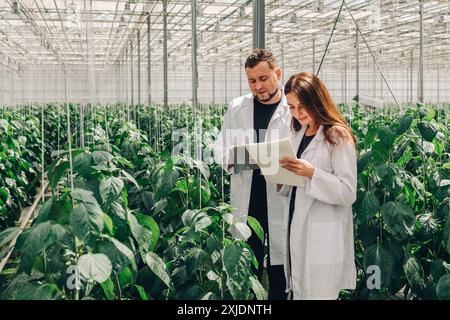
(300, 167)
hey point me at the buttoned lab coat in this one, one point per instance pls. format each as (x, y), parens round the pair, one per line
(240, 116)
(321, 240)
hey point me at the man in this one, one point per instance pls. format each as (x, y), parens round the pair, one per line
(263, 113)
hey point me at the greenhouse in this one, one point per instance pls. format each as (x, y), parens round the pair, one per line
(123, 123)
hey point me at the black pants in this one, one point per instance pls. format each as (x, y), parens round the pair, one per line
(275, 273)
(258, 210)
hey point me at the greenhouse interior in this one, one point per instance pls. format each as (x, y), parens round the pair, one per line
(110, 116)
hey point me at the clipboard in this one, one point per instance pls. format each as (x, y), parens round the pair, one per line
(268, 154)
(241, 159)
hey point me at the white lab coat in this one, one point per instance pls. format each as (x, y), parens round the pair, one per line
(321, 239)
(240, 116)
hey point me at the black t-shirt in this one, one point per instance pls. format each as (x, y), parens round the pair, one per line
(303, 145)
(262, 113)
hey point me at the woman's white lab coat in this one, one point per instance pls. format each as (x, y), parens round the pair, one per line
(238, 129)
(321, 240)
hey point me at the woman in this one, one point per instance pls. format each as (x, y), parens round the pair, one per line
(320, 245)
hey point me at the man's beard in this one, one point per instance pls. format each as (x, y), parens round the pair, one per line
(270, 96)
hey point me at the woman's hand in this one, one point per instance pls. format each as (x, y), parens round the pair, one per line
(300, 167)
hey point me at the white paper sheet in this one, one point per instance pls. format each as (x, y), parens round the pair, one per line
(268, 154)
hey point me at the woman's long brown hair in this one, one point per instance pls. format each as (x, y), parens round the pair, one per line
(315, 98)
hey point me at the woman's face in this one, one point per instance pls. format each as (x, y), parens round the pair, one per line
(298, 111)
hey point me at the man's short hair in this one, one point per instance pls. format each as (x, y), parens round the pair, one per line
(258, 55)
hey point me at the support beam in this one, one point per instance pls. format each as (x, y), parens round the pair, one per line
(194, 53)
(421, 97)
(165, 57)
(314, 54)
(259, 34)
(438, 83)
(411, 73)
(374, 83)
(139, 65)
(119, 81)
(226, 83)
(149, 64)
(240, 76)
(132, 76)
(213, 84)
(345, 81)
(357, 65)
(282, 64)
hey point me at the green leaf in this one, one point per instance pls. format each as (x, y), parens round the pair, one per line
(243, 231)
(405, 124)
(33, 291)
(384, 170)
(130, 178)
(203, 167)
(108, 289)
(194, 259)
(87, 217)
(126, 277)
(158, 267)
(194, 292)
(82, 164)
(180, 276)
(196, 219)
(142, 235)
(159, 206)
(443, 190)
(95, 267)
(167, 183)
(256, 227)
(258, 289)
(414, 274)
(428, 113)
(387, 136)
(376, 255)
(446, 235)
(148, 200)
(108, 224)
(399, 219)
(427, 130)
(182, 186)
(55, 173)
(118, 210)
(101, 157)
(369, 206)
(150, 224)
(39, 238)
(443, 288)
(56, 210)
(7, 235)
(4, 125)
(437, 269)
(142, 293)
(126, 252)
(427, 223)
(110, 189)
(237, 270)
(4, 194)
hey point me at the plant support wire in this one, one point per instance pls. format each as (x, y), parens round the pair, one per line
(365, 42)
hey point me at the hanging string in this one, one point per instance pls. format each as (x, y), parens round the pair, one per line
(106, 130)
(225, 164)
(58, 106)
(69, 141)
(42, 154)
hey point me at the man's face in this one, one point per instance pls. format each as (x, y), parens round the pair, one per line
(263, 81)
